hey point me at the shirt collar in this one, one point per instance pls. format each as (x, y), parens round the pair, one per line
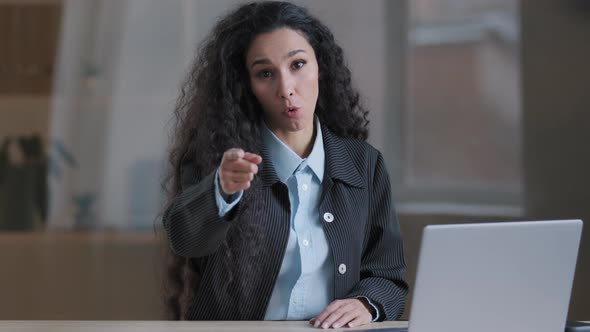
(285, 161)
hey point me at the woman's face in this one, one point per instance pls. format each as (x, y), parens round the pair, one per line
(284, 78)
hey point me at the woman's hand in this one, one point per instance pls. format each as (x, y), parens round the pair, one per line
(237, 170)
(347, 312)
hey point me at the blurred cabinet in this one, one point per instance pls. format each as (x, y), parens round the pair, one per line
(28, 43)
(80, 275)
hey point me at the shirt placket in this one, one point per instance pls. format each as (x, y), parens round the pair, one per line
(297, 307)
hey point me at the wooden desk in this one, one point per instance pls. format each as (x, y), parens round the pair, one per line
(172, 326)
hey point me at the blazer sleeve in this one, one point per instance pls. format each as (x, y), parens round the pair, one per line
(382, 263)
(192, 221)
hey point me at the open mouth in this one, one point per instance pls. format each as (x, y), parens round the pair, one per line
(293, 112)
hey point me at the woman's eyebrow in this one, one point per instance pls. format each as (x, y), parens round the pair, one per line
(292, 53)
(267, 62)
(260, 62)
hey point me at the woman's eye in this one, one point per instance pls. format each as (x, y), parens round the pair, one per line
(264, 74)
(298, 64)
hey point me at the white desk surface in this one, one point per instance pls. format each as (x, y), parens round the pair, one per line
(172, 326)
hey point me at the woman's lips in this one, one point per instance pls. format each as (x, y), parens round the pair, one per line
(293, 112)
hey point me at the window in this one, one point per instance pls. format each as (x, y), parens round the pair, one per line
(460, 129)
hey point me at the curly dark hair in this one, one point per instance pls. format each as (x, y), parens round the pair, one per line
(217, 110)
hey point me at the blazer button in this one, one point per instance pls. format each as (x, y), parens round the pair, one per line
(342, 268)
(328, 217)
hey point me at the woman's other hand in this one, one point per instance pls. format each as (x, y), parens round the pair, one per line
(344, 313)
(237, 170)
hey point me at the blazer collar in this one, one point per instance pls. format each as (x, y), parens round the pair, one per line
(339, 165)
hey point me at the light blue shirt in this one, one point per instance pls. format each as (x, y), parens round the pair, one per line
(305, 284)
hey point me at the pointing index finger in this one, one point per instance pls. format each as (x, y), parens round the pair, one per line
(253, 158)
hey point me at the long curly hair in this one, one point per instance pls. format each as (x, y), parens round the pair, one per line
(216, 110)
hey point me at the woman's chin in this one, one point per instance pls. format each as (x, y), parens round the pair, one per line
(300, 125)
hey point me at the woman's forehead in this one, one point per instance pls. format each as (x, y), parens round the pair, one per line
(278, 44)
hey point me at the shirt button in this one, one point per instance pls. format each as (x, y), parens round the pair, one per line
(328, 217)
(342, 268)
(304, 187)
(305, 243)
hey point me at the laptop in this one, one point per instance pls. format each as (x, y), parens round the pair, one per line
(495, 277)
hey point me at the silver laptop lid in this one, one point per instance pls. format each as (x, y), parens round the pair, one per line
(496, 277)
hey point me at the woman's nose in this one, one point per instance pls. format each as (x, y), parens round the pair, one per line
(286, 86)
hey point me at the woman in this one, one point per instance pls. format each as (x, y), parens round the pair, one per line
(278, 208)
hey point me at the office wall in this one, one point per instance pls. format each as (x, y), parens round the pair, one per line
(556, 94)
(24, 115)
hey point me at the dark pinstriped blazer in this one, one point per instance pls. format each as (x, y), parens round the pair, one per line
(364, 236)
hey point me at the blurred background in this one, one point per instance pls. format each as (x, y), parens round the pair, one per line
(480, 107)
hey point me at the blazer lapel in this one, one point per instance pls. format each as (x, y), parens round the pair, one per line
(339, 165)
